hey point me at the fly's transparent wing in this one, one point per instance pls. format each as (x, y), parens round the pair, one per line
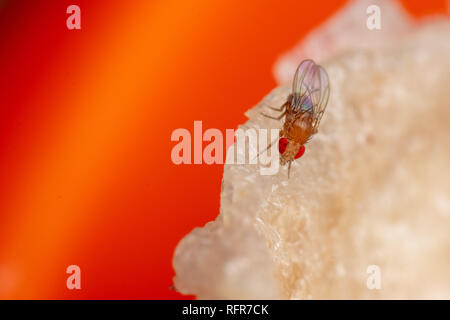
(320, 95)
(310, 90)
(300, 88)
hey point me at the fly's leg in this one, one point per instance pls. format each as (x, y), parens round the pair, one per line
(275, 118)
(268, 147)
(289, 168)
(278, 109)
(282, 108)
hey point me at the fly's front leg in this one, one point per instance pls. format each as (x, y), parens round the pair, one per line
(289, 169)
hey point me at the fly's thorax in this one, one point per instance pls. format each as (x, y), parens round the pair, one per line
(298, 129)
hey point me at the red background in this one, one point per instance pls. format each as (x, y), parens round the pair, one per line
(85, 123)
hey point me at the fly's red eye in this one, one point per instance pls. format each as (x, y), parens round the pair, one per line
(282, 144)
(300, 152)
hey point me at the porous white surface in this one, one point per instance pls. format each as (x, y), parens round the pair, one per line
(373, 188)
(347, 30)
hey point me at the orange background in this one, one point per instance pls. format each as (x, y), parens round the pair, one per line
(86, 117)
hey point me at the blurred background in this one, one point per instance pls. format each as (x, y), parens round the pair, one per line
(86, 118)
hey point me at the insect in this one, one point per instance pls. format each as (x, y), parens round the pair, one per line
(302, 110)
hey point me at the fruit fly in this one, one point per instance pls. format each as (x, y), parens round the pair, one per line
(302, 110)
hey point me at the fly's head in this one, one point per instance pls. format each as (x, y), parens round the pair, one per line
(289, 150)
